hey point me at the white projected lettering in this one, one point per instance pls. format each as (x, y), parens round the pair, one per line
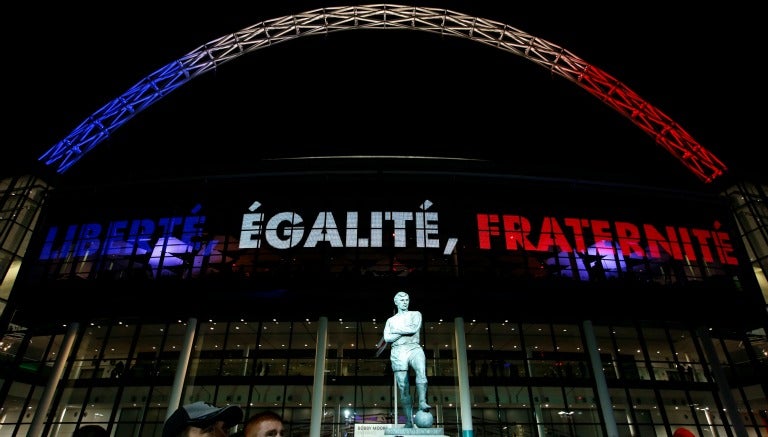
(286, 229)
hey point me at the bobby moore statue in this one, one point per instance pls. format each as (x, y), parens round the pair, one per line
(402, 332)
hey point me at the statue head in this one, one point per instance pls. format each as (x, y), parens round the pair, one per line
(400, 295)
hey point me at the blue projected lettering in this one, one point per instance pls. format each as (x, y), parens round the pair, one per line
(166, 236)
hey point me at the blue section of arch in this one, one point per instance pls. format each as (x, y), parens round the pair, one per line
(114, 114)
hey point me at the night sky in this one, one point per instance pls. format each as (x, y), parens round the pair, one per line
(373, 92)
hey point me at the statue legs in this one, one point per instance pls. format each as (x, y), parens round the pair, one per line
(405, 399)
(421, 390)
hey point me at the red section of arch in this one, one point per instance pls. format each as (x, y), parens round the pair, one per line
(655, 123)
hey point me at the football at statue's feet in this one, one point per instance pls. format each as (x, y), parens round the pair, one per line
(423, 419)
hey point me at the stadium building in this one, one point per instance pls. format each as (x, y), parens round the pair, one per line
(552, 306)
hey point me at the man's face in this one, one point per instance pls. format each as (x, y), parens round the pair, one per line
(402, 302)
(216, 430)
(266, 428)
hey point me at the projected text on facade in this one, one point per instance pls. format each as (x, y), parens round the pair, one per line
(363, 241)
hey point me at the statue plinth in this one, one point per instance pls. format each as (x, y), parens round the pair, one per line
(414, 431)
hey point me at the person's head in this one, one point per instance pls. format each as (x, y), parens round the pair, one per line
(202, 419)
(90, 431)
(402, 300)
(264, 424)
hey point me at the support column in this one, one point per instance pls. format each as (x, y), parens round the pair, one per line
(463, 375)
(537, 416)
(722, 383)
(36, 428)
(602, 385)
(316, 420)
(174, 400)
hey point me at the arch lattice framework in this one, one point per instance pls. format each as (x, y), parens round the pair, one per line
(668, 134)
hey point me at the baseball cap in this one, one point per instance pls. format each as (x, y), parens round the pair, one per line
(201, 415)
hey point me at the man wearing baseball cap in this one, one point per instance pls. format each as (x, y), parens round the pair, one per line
(202, 419)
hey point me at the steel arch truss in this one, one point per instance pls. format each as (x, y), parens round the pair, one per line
(554, 58)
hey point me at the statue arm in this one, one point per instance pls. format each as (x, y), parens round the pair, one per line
(403, 325)
(389, 335)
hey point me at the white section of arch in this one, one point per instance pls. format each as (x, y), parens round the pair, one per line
(554, 58)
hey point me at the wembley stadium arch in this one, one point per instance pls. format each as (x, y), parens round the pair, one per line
(556, 59)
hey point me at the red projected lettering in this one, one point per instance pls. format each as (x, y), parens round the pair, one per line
(607, 239)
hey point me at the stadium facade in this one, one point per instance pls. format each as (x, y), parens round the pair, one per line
(551, 306)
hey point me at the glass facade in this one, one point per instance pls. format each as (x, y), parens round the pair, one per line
(21, 199)
(600, 310)
(524, 378)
